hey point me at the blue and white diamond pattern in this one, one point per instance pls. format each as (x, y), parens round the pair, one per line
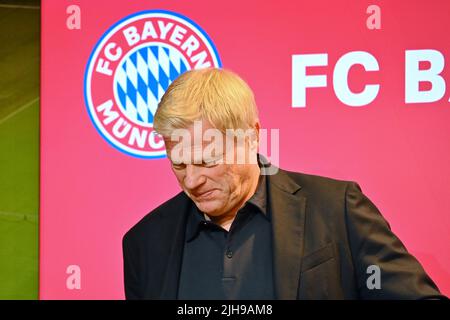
(142, 78)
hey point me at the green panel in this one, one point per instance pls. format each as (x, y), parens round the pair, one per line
(19, 149)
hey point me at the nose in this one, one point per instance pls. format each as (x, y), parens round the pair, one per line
(193, 177)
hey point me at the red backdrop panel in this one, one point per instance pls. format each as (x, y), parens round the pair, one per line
(396, 147)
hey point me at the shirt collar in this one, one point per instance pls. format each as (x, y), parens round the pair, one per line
(259, 198)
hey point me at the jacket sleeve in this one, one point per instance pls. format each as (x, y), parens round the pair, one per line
(375, 247)
(131, 279)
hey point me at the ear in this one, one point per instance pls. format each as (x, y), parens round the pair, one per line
(254, 141)
(257, 127)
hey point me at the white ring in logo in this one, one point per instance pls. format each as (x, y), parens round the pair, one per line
(131, 67)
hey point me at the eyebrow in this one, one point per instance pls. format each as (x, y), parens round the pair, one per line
(204, 161)
(209, 159)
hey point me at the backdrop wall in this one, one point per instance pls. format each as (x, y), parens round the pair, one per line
(357, 90)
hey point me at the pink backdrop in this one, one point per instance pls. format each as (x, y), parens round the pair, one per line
(92, 193)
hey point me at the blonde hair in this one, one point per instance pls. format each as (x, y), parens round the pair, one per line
(216, 95)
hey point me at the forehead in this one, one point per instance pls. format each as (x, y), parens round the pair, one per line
(198, 141)
(197, 136)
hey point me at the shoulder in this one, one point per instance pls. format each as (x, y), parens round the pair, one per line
(162, 218)
(318, 186)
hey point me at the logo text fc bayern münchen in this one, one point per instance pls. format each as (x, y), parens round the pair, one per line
(131, 67)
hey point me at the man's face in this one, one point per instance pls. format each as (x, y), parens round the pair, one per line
(215, 187)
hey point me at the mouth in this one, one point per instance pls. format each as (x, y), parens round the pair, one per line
(205, 195)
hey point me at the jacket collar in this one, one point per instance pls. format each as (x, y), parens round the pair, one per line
(287, 207)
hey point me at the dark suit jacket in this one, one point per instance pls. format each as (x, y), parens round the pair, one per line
(325, 235)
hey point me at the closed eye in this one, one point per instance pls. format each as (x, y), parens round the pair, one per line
(206, 163)
(212, 162)
(209, 164)
(178, 166)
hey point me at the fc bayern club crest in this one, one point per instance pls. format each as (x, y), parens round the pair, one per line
(131, 67)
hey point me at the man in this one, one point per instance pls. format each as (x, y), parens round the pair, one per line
(238, 233)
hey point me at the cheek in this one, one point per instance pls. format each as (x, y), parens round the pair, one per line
(179, 175)
(218, 177)
(238, 175)
(231, 181)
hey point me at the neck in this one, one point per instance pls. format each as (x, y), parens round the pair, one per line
(227, 219)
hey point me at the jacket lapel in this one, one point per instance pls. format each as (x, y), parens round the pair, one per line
(173, 268)
(288, 220)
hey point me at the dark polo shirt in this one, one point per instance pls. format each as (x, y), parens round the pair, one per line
(218, 264)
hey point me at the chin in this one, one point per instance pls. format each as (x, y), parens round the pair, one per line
(210, 208)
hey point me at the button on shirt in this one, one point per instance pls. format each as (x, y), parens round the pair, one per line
(234, 264)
